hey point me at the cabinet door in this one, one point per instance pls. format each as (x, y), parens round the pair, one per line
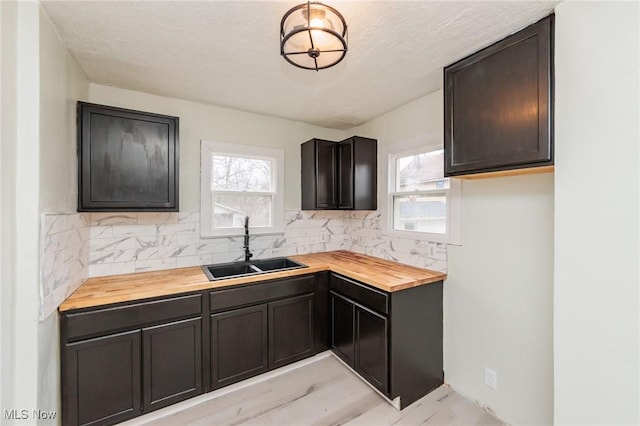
(365, 173)
(321, 312)
(342, 328)
(372, 348)
(325, 174)
(101, 380)
(345, 175)
(290, 330)
(172, 362)
(499, 105)
(238, 345)
(128, 160)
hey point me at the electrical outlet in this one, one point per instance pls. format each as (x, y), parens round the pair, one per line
(490, 378)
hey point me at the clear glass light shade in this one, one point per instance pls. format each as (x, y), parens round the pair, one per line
(313, 36)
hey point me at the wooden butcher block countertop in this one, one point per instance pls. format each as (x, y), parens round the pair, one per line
(383, 274)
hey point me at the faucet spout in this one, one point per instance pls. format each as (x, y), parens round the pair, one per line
(247, 253)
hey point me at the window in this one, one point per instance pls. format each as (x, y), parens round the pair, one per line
(239, 181)
(423, 204)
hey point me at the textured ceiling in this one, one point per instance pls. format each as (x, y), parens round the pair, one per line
(227, 52)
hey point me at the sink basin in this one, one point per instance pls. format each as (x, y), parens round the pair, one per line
(223, 271)
(230, 270)
(276, 264)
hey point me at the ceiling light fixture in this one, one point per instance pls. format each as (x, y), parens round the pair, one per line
(313, 36)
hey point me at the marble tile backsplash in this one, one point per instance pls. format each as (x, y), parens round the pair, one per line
(365, 235)
(135, 242)
(64, 258)
(85, 245)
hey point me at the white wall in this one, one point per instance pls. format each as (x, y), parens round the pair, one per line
(498, 295)
(8, 127)
(40, 82)
(61, 84)
(20, 242)
(596, 323)
(200, 121)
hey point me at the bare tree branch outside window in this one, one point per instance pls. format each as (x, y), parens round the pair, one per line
(241, 187)
(240, 174)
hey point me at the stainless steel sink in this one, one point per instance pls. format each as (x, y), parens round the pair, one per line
(225, 271)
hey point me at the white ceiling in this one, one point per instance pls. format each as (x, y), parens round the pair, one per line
(227, 52)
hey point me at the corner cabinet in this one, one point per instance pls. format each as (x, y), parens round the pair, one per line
(393, 340)
(498, 105)
(127, 160)
(339, 175)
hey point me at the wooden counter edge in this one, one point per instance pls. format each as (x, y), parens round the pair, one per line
(108, 298)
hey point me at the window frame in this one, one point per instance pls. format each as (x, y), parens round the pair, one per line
(276, 156)
(453, 201)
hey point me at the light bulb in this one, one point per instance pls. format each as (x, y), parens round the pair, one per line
(321, 39)
(318, 22)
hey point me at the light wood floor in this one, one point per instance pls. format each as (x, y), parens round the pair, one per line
(324, 392)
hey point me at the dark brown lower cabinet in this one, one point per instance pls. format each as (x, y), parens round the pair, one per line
(172, 360)
(248, 341)
(372, 348)
(102, 378)
(359, 338)
(121, 361)
(342, 328)
(290, 330)
(238, 345)
(393, 340)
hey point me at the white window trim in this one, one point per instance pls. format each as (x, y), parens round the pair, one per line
(207, 149)
(454, 203)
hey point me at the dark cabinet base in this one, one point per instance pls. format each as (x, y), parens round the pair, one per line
(121, 361)
(415, 353)
(372, 348)
(290, 330)
(238, 345)
(172, 356)
(342, 328)
(102, 378)
(359, 336)
(392, 340)
(124, 360)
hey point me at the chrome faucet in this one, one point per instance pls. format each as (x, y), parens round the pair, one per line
(247, 253)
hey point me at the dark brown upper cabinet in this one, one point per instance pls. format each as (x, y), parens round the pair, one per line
(498, 105)
(339, 175)
(127, 160)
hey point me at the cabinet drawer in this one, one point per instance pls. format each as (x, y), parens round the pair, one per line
(99, 321)
(366, 296)
(259, 293)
